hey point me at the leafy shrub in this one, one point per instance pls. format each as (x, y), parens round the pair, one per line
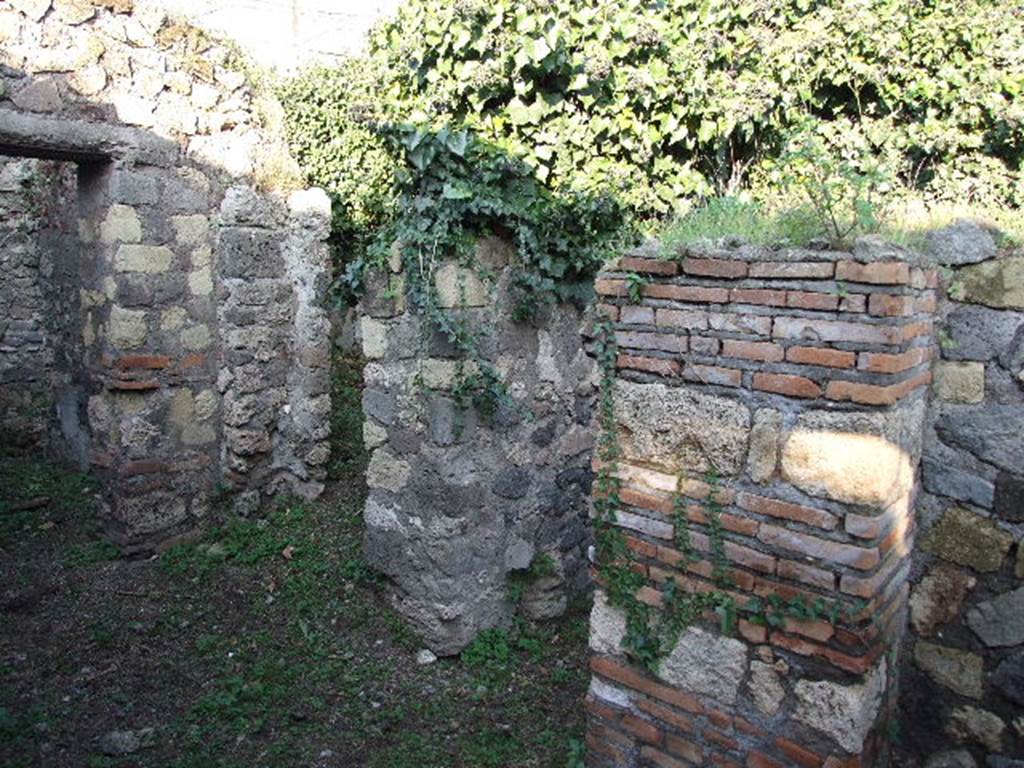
(658, 102)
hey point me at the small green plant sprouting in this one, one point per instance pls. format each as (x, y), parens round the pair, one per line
(946, 341)
(843, 192)
(635, 284)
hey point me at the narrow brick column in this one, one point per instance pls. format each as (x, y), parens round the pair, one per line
(791, 385)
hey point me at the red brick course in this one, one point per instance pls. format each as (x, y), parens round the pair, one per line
(817, 333)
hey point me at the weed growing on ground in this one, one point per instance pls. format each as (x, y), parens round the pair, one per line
(32, 488)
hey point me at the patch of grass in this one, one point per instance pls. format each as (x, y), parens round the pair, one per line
(274, 659)
(50, 489)
(721, 217)
(796, 225)
(90, 553)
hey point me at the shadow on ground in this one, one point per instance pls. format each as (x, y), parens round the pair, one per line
(267, 643)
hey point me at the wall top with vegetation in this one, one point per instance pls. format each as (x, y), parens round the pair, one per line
(648, 107)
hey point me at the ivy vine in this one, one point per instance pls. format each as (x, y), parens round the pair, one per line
(652, 633)
(454, 190)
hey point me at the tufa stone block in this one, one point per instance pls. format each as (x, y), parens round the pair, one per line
(459, 287)
(127, 328)
(149, 259)
(937, 598)
(705, 663)
(960, 671)
(998, 283)
(960, 382)
(968, 539)
(1000, 621)
(709, 430)
(844, 713)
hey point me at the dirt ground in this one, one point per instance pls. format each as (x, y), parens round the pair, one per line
(267, 643)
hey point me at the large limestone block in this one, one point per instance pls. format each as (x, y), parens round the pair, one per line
(705, 663)
(856, 458)
(998, 283)
(681, 429)
(843, 712)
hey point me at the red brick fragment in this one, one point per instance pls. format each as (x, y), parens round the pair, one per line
(762, 296)
(823, 549)
(807, 574)
(871, 394)
(633, 315)
(193, 360)
(649, 365)
(660, 759)
(663, 342)
(844, 331)
(649, 266)
(877, 273)
(828, 358)
(889, 305)
(786, 510)
(752, 633)
(148, 362)
(607, 287)
(727, 268)
(142, 467)
(786, 384)
(765, 351)
(684, 748)
(721, 740)
(687, 293)
(756, 759)
(798, 754)
(639, 682)
(713, 374)
(812, 300)
(853, 302)
(884, 362)
(796, 270)
(666, 715)
(690, 319)
(642, 729)
(133, 385)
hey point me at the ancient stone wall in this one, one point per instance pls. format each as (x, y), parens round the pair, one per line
(198, 368)
(962, 690)
(33, 197)
(462, 503)
(772, 401)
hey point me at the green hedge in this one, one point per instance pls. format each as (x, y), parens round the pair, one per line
(660, 102)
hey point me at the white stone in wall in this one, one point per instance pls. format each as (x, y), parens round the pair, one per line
(843, 712)
(607, 626)
(706, 664)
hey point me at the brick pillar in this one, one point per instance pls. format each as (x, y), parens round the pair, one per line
(794, 383)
